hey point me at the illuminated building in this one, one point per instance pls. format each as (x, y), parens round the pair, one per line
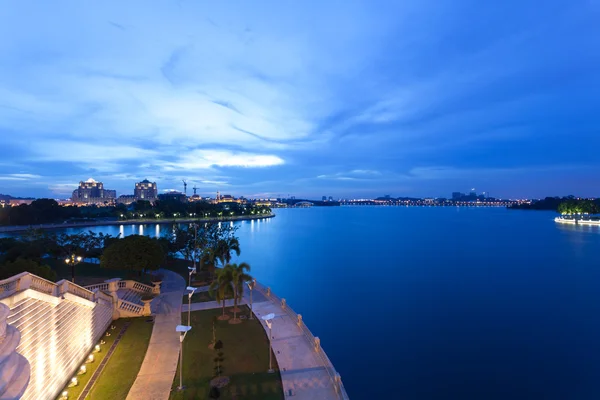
(92, 192)
(227, 198)
(145, 190)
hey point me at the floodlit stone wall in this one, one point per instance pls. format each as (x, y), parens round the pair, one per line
(59, 326)
(14, 368)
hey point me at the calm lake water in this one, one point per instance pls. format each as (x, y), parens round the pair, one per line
(438, 303)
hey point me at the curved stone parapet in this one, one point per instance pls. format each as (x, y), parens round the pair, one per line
(14, 368)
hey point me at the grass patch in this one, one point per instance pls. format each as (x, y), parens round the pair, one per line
(122, 368)
(245, 360)
(83, 379)
(202, 297)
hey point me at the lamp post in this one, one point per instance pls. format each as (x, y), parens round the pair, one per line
(73, 261)
(192, 271)
(191, 290)
(251, 286)
(269, 321)
(183, 330)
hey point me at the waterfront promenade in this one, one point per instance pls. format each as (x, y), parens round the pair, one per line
(158, 370)
(145, 221)
(306, 372)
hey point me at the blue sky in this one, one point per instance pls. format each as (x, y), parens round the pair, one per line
(340, 98)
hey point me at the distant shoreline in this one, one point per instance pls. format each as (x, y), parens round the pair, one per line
(19, 228)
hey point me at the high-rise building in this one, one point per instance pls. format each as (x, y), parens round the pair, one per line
(145, 190)
(324, 198)
(92, 192)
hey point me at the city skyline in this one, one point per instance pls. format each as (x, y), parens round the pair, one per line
(417, 99)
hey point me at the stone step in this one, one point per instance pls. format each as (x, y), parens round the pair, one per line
(131, 296)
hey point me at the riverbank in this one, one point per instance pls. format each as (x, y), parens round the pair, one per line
(19, 228)
(572, 221)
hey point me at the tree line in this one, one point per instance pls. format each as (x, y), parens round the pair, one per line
(564, 205)
(207, 245)
(575, 206)
(48, 211)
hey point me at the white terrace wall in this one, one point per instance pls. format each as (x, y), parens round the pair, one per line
(59, 325)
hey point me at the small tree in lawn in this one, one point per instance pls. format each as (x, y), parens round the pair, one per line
(135, 253)
(238, 279)
(221, 287)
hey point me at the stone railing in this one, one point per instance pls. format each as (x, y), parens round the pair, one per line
(70, 287)
(25, 280)
(335, 378)
(103, 298)
(11, 285)
(126, 284)
(135, 285)
(42, 285)
(100, 286)
(130, 307)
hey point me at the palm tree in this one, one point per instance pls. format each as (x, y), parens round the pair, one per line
(224, 247)
(208, 259)
(221, 287)
(238, 279)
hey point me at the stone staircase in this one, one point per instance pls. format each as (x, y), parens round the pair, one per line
(131, 296)
(127, 296)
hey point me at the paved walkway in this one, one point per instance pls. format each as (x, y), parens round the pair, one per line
(160, 364)
(302, 372)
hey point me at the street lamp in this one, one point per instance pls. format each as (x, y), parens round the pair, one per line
(73, 261)
(191, 290)
(183, 330)
(269, 321)
(192, 271)
(251, 284)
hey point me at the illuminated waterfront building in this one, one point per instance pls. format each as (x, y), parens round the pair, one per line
(93, 192)
(145, 190)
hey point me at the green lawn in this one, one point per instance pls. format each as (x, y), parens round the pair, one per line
(122, 368)
(245, 360)
(98, 357)
(202, 297)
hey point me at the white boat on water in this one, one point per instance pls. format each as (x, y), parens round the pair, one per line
(577, 221)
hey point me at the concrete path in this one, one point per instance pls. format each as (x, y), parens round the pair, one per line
(160, 364)
(209, 305)
(302, 372)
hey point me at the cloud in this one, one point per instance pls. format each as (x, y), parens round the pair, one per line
(206, 159)
(63, 189)
(190, 90)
